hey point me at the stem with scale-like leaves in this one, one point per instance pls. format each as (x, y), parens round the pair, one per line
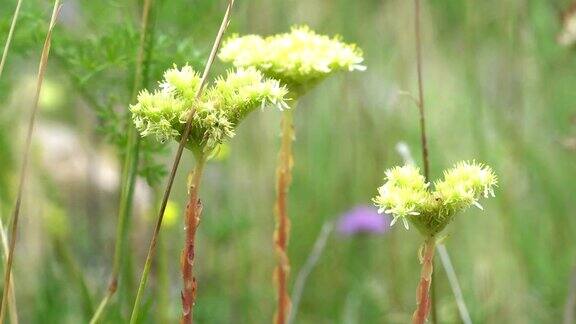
(282, 230)
(171, 177)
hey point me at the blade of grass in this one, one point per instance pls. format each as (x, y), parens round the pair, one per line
(307, 268)
(569, 312)
(163, 286)
(10, 34)
(423, 138)
(129, 170)
(453, 280)
(12, 297)
(24, 168)
(76, 276)
(155, 234)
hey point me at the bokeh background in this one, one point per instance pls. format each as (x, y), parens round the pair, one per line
(499, 88)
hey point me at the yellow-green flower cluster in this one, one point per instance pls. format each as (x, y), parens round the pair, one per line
(157, 113)
(299, 59)
(220, 108)
(406, 195)
(465, 183)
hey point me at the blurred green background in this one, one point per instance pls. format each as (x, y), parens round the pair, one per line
(498, 87)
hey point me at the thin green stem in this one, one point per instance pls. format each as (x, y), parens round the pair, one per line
(570, 305)
(24, 167)
(12, 297)
(311, 262)
(454, 284)
(120, 254)
(130, 168)
(172, 176)
(10, 34)
(124, 211)
(75, 273)
(163, 286)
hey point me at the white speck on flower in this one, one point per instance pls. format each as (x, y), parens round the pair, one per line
(477, 204)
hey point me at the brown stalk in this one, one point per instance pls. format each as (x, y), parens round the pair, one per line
(193, 211)
(24, 167)
(282, 230)
(184, 138)
(423, 292)
(423, 138)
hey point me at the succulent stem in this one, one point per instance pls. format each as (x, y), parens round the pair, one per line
(192, 220)
(282, 230)
(423, 292)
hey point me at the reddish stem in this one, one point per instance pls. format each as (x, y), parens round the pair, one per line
(282, 231)
(423, 291)
(193, 211)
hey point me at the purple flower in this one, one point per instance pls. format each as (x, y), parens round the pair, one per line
(363, 219)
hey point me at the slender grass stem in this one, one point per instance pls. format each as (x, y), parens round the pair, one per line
(423, 301)
(184, 138)
(131, 165)
(163, 286)
(282, 230)
(72, 269)
(570, 305)
(453, 280)
(125, 211)
(307, 268)
(129, 170)
(12, 297)
(10, 35)
(193, 213)
(24, 167)
(423, 138)
(420, 100)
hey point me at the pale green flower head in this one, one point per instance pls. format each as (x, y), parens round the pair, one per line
(182, 82)
(403, 194)
(218, 111)
(406, 196)
(299, 59)
(243, 90)
(465, 183)
(156, 113)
